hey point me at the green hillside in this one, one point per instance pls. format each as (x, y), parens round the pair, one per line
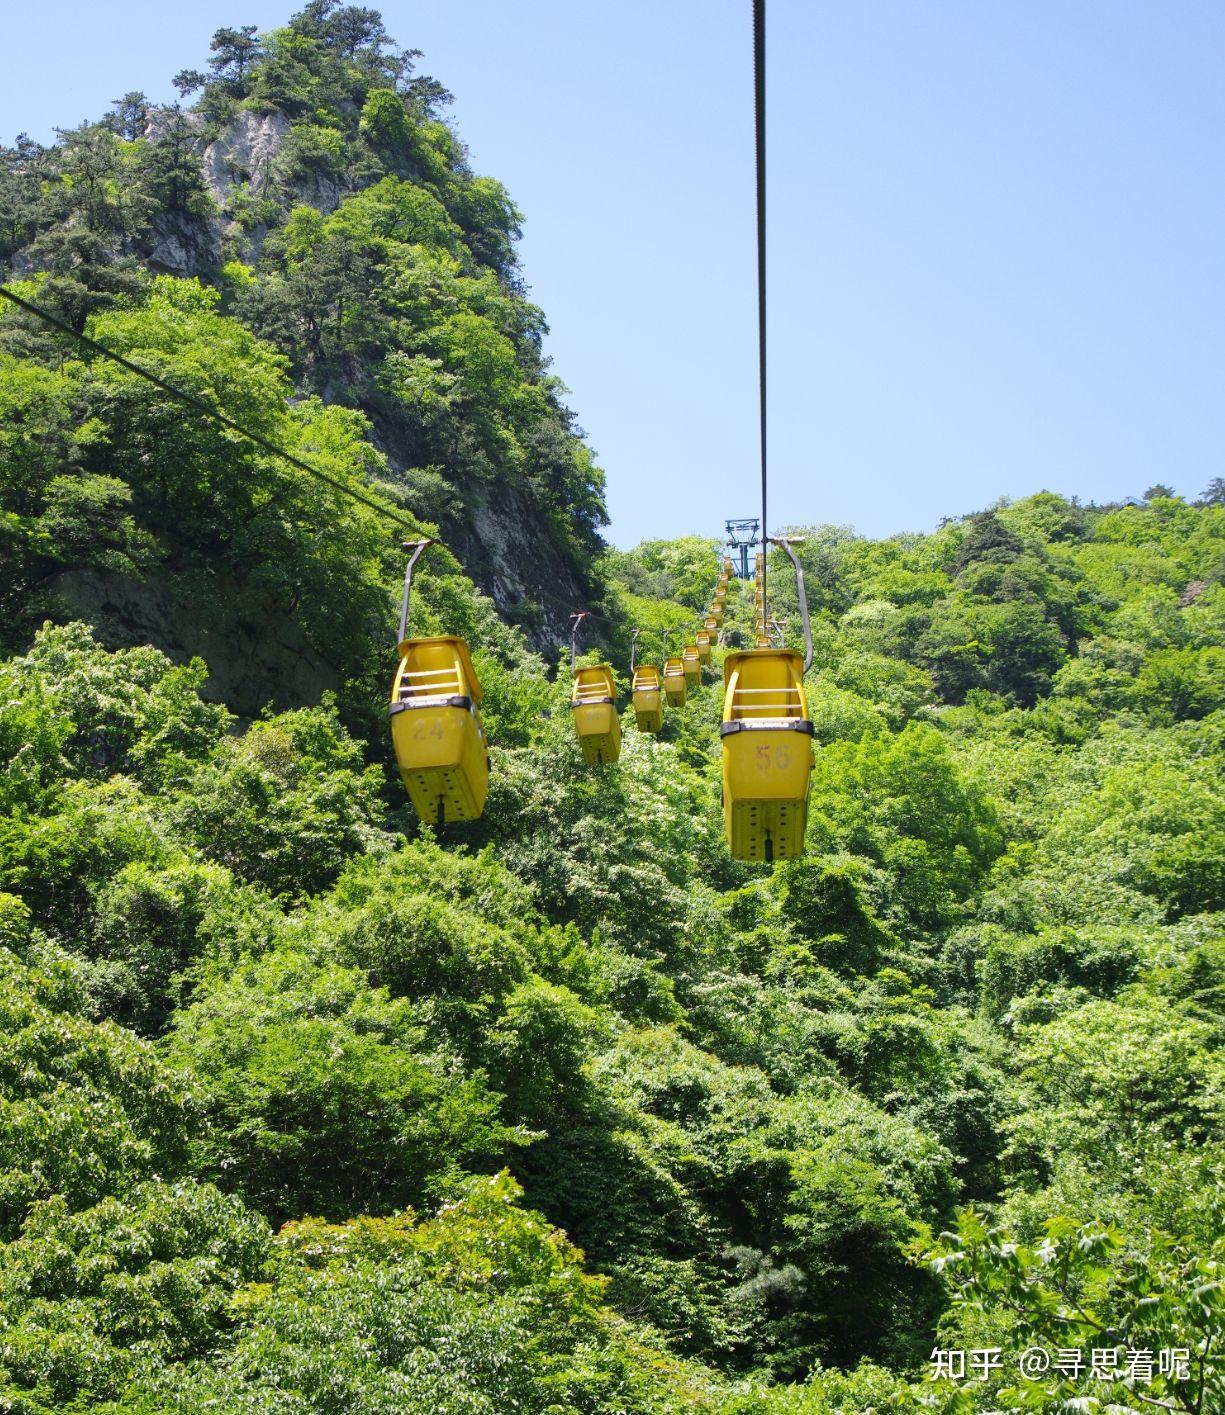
(305, 1107)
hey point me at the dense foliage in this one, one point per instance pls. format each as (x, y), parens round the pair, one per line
(243, 988)
(305, 1108)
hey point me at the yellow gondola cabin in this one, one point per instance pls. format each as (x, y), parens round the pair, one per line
(702, 639)
(648, 698)
(594, 706)
(436, 730)
(767, 754)
(692, 662)
(676, 685)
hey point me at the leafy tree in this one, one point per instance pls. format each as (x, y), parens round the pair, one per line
(151, 924)
(901, 803)
(130, 114)
(133, 712)
(235, 51)
(388, 1315)
(385, 124)
(286, 805)
(187, 81)
(1086, 1286)
(171, 169)
(1176, 684)
(85, 1108)
(94, 1300)
(987, 538)
(322, 1094)
(1112, 1079)
(21, 207)
(1011, 966)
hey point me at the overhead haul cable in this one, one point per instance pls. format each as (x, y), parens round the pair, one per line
(200, 406)
(759, 125)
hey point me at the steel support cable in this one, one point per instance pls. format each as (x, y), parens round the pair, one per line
(759, 126)
(200, 406)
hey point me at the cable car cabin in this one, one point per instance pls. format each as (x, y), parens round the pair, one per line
(691, 659)
(763, 641)
(767, 754)
(702, 639)
(648, 698)
(594, 705)
(728, 568)
(436, 730)
(711, 626)
(716, 613)
(721, 583)
(676, 685)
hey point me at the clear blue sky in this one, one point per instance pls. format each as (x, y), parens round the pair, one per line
(995, 250)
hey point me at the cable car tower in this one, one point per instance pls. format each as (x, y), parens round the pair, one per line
(742, 536)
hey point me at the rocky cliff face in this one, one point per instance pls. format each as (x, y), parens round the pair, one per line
(256, 659)
(245, 152)
(184, 245)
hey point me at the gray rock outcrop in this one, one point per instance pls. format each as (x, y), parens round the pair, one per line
(244, 152)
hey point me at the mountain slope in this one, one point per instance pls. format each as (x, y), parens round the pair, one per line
(313, 186)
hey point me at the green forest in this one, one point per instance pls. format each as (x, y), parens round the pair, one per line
(305, 1106)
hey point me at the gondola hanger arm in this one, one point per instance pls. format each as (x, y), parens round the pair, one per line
(576, 621)
(785, 543)
(415, 548)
